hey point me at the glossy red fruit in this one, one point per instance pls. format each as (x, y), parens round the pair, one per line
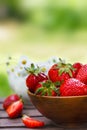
(61, 72)
(53, 73)
(82, 74)
(31, 123)
(35, 76)
(9, 100)
(38, 86)
(73, 87)
(15, 109)
(77, 66)
(41, 77)
(31, 82)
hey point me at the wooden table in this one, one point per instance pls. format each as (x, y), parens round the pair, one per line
(16, 124)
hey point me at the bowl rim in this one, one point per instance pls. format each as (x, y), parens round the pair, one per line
(56, 97)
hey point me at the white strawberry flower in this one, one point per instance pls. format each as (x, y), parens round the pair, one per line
(53, 60)
(45, 66)
(24, 61)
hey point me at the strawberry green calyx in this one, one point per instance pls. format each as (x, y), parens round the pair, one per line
(47, 88)
(33, 70)
(64, 67)
(34, 77)
(67, 68)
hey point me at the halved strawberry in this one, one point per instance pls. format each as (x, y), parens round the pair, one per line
(15, 109)
(9, 100)
(31, 123)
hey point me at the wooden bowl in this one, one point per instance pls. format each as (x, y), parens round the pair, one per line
(69, 109)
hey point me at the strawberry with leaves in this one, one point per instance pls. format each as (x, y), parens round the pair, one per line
(35, 76)
(61, 71)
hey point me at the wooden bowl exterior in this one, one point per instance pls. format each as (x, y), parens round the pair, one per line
(69, 109)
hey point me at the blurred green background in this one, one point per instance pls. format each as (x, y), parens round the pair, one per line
(40, 29)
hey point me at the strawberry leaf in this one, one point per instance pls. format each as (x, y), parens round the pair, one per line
(58, 83)
(33, 70)
(39, 90)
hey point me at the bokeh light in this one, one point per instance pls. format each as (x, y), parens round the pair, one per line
(41, 29)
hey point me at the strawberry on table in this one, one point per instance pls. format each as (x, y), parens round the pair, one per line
(9, 100)
(15, 109)
(35, 76)
(32, 123)
(82, 74)
(73, 87)
(61, 71)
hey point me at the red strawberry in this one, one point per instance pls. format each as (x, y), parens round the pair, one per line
(31, 82)
(73, 87)
(15, 109)
(82, 74)
(61, 72)
(41, 77)
(77, 66)
(9, 100)
(31, 123)
(35, 76)
(38, 86)
(46, 88)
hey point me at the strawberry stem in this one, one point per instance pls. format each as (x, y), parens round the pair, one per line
(33, 70)
(64, 67)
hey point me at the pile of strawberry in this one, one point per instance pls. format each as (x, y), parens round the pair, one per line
(62, 79)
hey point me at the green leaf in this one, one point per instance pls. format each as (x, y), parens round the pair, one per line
(49, 92)
(44, 92)
(61, 70)
(57, 83)
(39, 90)
(33, 70)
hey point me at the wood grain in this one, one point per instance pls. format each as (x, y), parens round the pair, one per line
(16, 124)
